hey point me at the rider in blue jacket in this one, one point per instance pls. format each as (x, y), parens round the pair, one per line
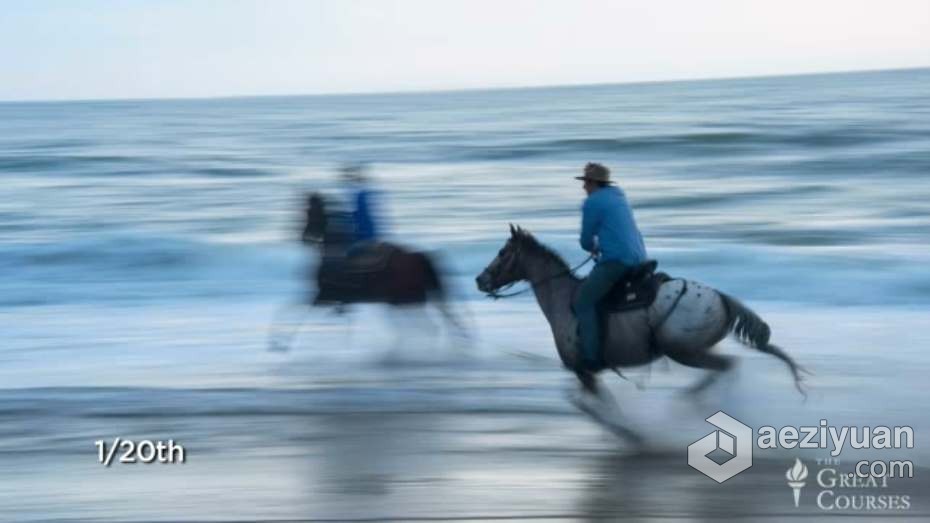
(365, 228)
(609, 232)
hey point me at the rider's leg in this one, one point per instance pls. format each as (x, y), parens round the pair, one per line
(593, 288)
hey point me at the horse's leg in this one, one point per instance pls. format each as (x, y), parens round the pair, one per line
(410, 325)
(426, 284)
(591, 393)
(285, 323)
(422, 322)
(397, 321)
(715, 363)
(453, 321)
(602, 407)
(796, 369)
(446, 311)
(588, 382)
(343, 310)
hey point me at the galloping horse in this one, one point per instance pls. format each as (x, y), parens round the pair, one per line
(383, 273)
(684, 322)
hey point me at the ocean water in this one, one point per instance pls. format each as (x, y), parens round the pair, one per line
(804, 189)
(146, 245)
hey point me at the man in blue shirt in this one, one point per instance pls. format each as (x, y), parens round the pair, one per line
(609, 232)
(363, 217)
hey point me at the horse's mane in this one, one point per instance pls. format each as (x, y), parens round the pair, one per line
(526, 241)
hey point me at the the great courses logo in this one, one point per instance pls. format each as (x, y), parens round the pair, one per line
(835, 489)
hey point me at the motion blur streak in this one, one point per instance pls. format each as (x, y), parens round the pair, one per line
(146, 244)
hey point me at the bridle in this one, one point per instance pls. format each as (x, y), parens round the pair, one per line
(494, 294)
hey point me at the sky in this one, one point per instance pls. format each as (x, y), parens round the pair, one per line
(102, 49)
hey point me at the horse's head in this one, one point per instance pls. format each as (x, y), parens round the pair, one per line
(507, 267)
(315, 228)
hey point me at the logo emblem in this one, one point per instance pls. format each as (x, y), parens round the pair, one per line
(734, 439)
(796, 476)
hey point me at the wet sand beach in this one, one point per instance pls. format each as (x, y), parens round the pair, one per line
(399, 434)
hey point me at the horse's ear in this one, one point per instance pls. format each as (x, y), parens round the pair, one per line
(513, 230)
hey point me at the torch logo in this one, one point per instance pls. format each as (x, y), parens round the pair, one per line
(796, 476)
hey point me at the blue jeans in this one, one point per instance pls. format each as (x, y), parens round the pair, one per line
(598, 283)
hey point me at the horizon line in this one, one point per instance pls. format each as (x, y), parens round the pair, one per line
(416, 91)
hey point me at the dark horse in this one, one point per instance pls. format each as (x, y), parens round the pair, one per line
(376, 273)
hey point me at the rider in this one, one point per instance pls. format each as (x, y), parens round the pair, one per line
(366, 252)
(609, 233)
(363, 217)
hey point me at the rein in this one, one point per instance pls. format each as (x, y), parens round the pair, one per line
(497, 295)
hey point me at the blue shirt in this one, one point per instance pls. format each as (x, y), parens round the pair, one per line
(365, 229)
(607, 216)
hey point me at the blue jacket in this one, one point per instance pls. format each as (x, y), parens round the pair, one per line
(607, 216)
(365, 228)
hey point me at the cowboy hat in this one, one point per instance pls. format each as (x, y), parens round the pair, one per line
(596, 173)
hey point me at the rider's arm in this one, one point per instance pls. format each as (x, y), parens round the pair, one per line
(590, 221)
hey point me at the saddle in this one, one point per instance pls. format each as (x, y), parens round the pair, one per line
(371, 259)
(349, 278)
(637, 289)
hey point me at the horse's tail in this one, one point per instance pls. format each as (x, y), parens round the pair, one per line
(745, 324)
(753, 332)
(438, 292)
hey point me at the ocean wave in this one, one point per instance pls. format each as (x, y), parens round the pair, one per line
(232, 172)
(811, 265)
(37, 163)
(50, 145)
(143, 269)
(526, 150)
(795, 179)
(684, 201)
(123, 165)
(697, 142)
(101, 254)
